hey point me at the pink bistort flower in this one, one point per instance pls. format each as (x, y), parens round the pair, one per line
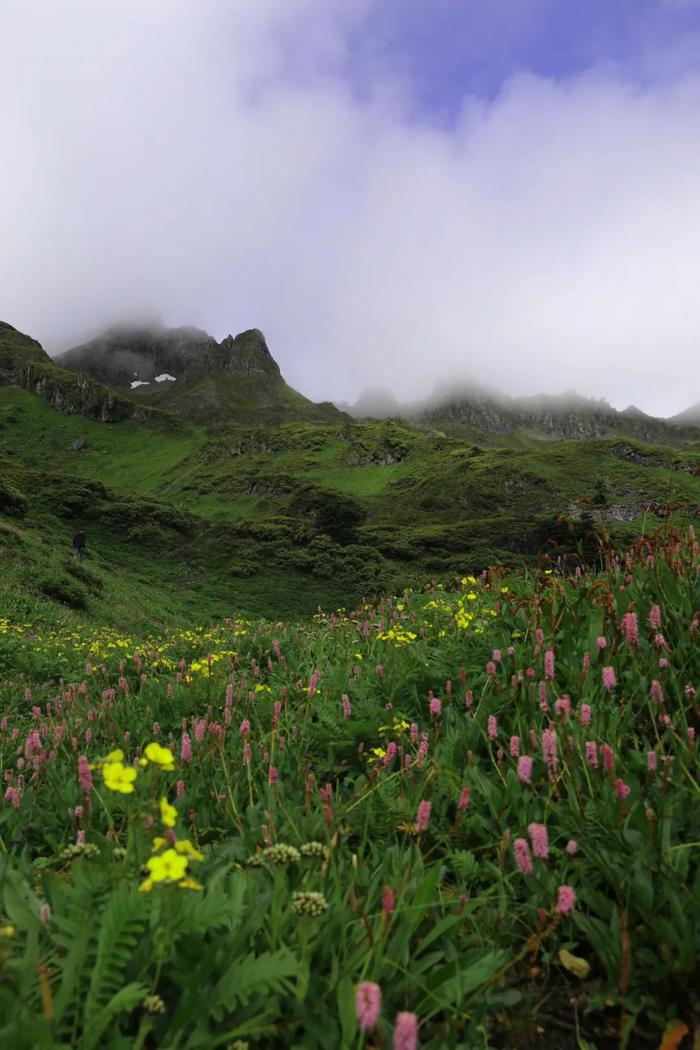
(539, 840)
(522, 856)
(423, 816)
(406, 1032)
(608, 676)
(630, 628)
(525, 769)
(566, 899)
(368, 1003)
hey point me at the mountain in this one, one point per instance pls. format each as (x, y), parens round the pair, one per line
(690, 417)
(25, 364)
(467, 408)
(187, 373)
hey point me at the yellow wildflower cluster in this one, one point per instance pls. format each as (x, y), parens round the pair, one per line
(170, 864)
(398, 635)
(118, 776)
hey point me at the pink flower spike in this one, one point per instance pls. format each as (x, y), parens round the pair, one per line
(525, 769)
(566, 899)
(515, 746)
(572, 847)
(406, 1032)
(368, 1004)
(522, 856)
(591, 753)
(539, 840)
(622, 790)
(492, 727)
(608, 676)
(423, 816)
(585, 714)
(464, 799)
(601, 642)
(549, 664)
(388, 900)
(655, 618)
(630, 628)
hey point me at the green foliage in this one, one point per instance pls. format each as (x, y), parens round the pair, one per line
(13, 502)
(61, 588)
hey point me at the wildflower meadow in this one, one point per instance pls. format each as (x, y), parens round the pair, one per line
(463, 817)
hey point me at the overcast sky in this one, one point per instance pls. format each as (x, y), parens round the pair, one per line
(392, 190)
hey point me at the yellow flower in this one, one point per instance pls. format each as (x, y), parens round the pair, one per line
(168, 813)
(160, 756)
(190, 884)
(168, 867)
(158, 843)
(185, 847)
(7, 931)
(115, 756)
(118, 777)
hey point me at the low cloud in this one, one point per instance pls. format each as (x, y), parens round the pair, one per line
(201, 161)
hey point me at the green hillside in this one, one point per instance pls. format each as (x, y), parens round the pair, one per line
(282, 518)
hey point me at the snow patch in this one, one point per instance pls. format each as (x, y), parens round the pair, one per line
(163, 376)
(139, 382)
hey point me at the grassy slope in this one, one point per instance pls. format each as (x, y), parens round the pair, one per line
(187, 520)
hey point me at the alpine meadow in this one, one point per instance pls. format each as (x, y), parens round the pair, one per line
(349, 525)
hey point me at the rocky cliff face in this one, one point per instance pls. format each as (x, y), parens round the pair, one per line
(188, 374)
(131, 357)
(25, 364)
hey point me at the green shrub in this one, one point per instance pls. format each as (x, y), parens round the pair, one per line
(62, 588)
(12, 500)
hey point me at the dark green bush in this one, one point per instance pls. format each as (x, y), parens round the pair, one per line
(12, 500)
(62, 588)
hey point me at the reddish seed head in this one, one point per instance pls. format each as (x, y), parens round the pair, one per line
(388, 900)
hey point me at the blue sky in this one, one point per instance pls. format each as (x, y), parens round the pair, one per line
(395, 191)
(444, 50)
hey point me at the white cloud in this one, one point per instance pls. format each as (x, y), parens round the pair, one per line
(195, 159)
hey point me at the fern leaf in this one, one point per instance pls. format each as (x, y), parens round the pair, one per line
(122, 923)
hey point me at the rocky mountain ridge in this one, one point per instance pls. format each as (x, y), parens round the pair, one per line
(568, 416)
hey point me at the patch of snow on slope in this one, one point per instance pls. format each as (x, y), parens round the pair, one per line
(163, 376)
(139, 382)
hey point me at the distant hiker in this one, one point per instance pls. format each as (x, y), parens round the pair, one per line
(79, 545)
